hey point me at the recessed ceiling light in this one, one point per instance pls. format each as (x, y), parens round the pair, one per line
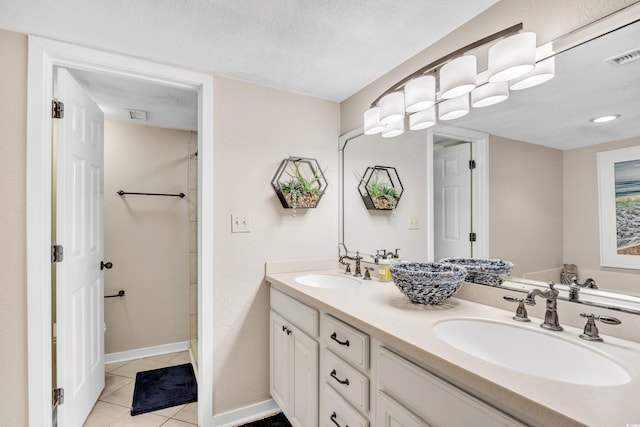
(604, 119)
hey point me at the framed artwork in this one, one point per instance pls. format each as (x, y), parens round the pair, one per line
(619, 197)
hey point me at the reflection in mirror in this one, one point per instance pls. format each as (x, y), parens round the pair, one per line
(543, 198)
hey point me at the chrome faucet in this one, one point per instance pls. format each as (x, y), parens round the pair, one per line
(357, 259)
(551, 315)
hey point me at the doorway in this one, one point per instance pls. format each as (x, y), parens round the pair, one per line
(459, 217)
(44, 56)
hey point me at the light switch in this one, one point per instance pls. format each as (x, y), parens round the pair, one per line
(240, 223)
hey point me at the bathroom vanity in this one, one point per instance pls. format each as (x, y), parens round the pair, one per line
(366, 356)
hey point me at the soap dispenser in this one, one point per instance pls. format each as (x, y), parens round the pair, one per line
(384, 273)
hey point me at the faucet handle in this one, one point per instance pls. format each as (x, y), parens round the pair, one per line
(367, 273)
(521, 311)
(591, 332)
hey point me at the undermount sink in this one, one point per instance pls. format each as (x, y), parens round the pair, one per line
(327, 281)
(531, 352)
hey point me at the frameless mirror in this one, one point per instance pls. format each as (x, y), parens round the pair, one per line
(542, 169)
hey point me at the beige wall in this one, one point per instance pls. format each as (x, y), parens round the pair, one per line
(581, 208)
(255, 128)
(548, 18)
(146, 237)
(13, 278)
(525, 204)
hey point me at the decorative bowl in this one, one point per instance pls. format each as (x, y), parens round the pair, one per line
(427, 283)
(482, 271)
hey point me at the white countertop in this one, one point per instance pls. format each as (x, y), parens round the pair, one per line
(382, 311)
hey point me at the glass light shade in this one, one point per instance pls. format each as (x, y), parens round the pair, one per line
(544, 71)
(458, 76)
(453, 108)
(372, 123)
(393, 129)
(512, 57)
(423, 119)
(420, 94)
(392, 108)
(489, 94)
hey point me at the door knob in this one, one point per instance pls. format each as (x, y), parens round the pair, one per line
(106, 265)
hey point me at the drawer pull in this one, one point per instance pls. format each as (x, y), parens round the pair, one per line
(333, 418)
(334, 337)
(334, 375)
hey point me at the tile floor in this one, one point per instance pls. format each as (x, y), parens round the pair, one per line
(114, 404)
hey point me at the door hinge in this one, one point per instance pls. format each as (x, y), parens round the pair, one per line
(472, 164)
(472, 237)
(57, 109)
(57, 252)
(57, 396)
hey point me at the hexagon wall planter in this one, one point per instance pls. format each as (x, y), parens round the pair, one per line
(299, 183)
(381, 188)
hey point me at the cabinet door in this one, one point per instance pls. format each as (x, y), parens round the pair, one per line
(304, 360)
(390, 413)
(280, 365)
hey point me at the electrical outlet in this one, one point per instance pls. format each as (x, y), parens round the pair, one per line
(414, 222)
(240, 223)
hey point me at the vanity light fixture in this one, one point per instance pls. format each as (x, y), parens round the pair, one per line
(448, 81)
(423, 119)
(512, 57)
(605, 119)
(545, 70)
(420, 94)
(454, 108)
(394, 129)
(489, 94)
(372, 123)
(392, 108)
(458, 77)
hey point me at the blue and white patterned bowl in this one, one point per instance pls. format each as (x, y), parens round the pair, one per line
(427, 283)
(482, 271)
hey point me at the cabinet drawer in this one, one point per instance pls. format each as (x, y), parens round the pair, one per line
(346, 380)
(336, 412)
(346, 341)
(301, 315)
(437, 402)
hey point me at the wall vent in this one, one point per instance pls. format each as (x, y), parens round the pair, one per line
(625, 58)
(138, 115)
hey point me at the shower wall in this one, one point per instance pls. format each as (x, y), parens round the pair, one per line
(147, 238)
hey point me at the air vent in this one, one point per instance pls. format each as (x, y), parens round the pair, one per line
(624, 58)
(138, 115)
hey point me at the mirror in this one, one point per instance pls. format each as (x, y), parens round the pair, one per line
(542, 170)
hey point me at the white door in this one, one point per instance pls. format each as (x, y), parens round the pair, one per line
(452, 201)
(79, 229)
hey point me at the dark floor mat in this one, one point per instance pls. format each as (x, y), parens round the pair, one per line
(163, 388)
(278, 420)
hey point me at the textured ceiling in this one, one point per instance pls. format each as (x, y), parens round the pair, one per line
(328, 49)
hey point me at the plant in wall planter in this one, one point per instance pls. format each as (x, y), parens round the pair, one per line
(299, 183)
(380, 188)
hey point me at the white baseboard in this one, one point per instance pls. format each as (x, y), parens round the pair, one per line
(248, 413)
(138, 353)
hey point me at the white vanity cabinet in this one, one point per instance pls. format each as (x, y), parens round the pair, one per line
(409, 396)
(294, 359)
(344, 374)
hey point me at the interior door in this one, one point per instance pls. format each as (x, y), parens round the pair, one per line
(452, 201)
(79, 229)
